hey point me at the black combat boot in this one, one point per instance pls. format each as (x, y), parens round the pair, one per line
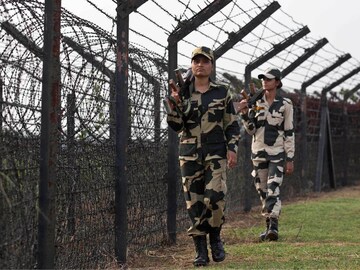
(262, 236)
(217, 249)
(202, 257)
(273, 234)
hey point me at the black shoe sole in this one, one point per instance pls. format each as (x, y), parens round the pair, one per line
(200, 264)
(219, 260)
(272, 236)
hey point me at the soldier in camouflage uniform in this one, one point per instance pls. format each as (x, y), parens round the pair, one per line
(270, 122)
(206, 122)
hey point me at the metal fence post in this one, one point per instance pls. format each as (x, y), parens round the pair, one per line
(172, 166)
(124, 8)
(50, 122)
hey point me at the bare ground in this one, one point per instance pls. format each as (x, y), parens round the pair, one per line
(180, 256)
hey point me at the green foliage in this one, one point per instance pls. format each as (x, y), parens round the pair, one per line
(352, 96)
(257, 82)
(236, 84)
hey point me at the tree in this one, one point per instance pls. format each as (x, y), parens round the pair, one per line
(237, 85)
(344, 92)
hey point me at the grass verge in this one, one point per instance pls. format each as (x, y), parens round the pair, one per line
(320, 232)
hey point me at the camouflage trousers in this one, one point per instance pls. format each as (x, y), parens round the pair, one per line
(268, 179)
(204, 187)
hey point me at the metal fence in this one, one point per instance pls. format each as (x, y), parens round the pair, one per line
(87, 206)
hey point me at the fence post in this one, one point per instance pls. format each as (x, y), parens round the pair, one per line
(121, 101)
(49, 138)
(124, 8)
(323, 140)
(172, 165)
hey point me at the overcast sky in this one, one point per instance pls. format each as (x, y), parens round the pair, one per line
(336, 20)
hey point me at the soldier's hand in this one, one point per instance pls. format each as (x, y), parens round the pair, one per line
(174, 91)
(241, 106)
(231, 159)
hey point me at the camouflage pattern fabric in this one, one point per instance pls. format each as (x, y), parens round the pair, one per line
(273, 142)
(206, 132)
(268, 177)
(204, 186)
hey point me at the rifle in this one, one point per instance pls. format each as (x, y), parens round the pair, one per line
(251, 98)
(181, 86)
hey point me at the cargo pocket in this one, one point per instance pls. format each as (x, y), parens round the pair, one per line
(188, 149)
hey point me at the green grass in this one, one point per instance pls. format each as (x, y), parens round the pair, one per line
(320, 234)
(317, 233)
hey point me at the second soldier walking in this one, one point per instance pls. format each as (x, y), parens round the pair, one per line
(270, 123)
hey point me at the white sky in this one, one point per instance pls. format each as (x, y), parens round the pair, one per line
(332, 19)
(336, 20)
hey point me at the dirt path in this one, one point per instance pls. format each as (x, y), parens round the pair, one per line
(180, 256)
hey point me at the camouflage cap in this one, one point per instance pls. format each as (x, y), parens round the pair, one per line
(205, 51)
(272, 73)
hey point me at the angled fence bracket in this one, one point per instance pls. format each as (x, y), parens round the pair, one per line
(308, 52)
(271, 53)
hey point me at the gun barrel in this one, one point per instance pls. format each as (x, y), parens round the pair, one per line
(258, 95)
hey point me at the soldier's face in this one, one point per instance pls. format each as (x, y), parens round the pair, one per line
(201, 66)
(269, 84)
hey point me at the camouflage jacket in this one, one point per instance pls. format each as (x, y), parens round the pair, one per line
(209, 128)
(272, 129)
